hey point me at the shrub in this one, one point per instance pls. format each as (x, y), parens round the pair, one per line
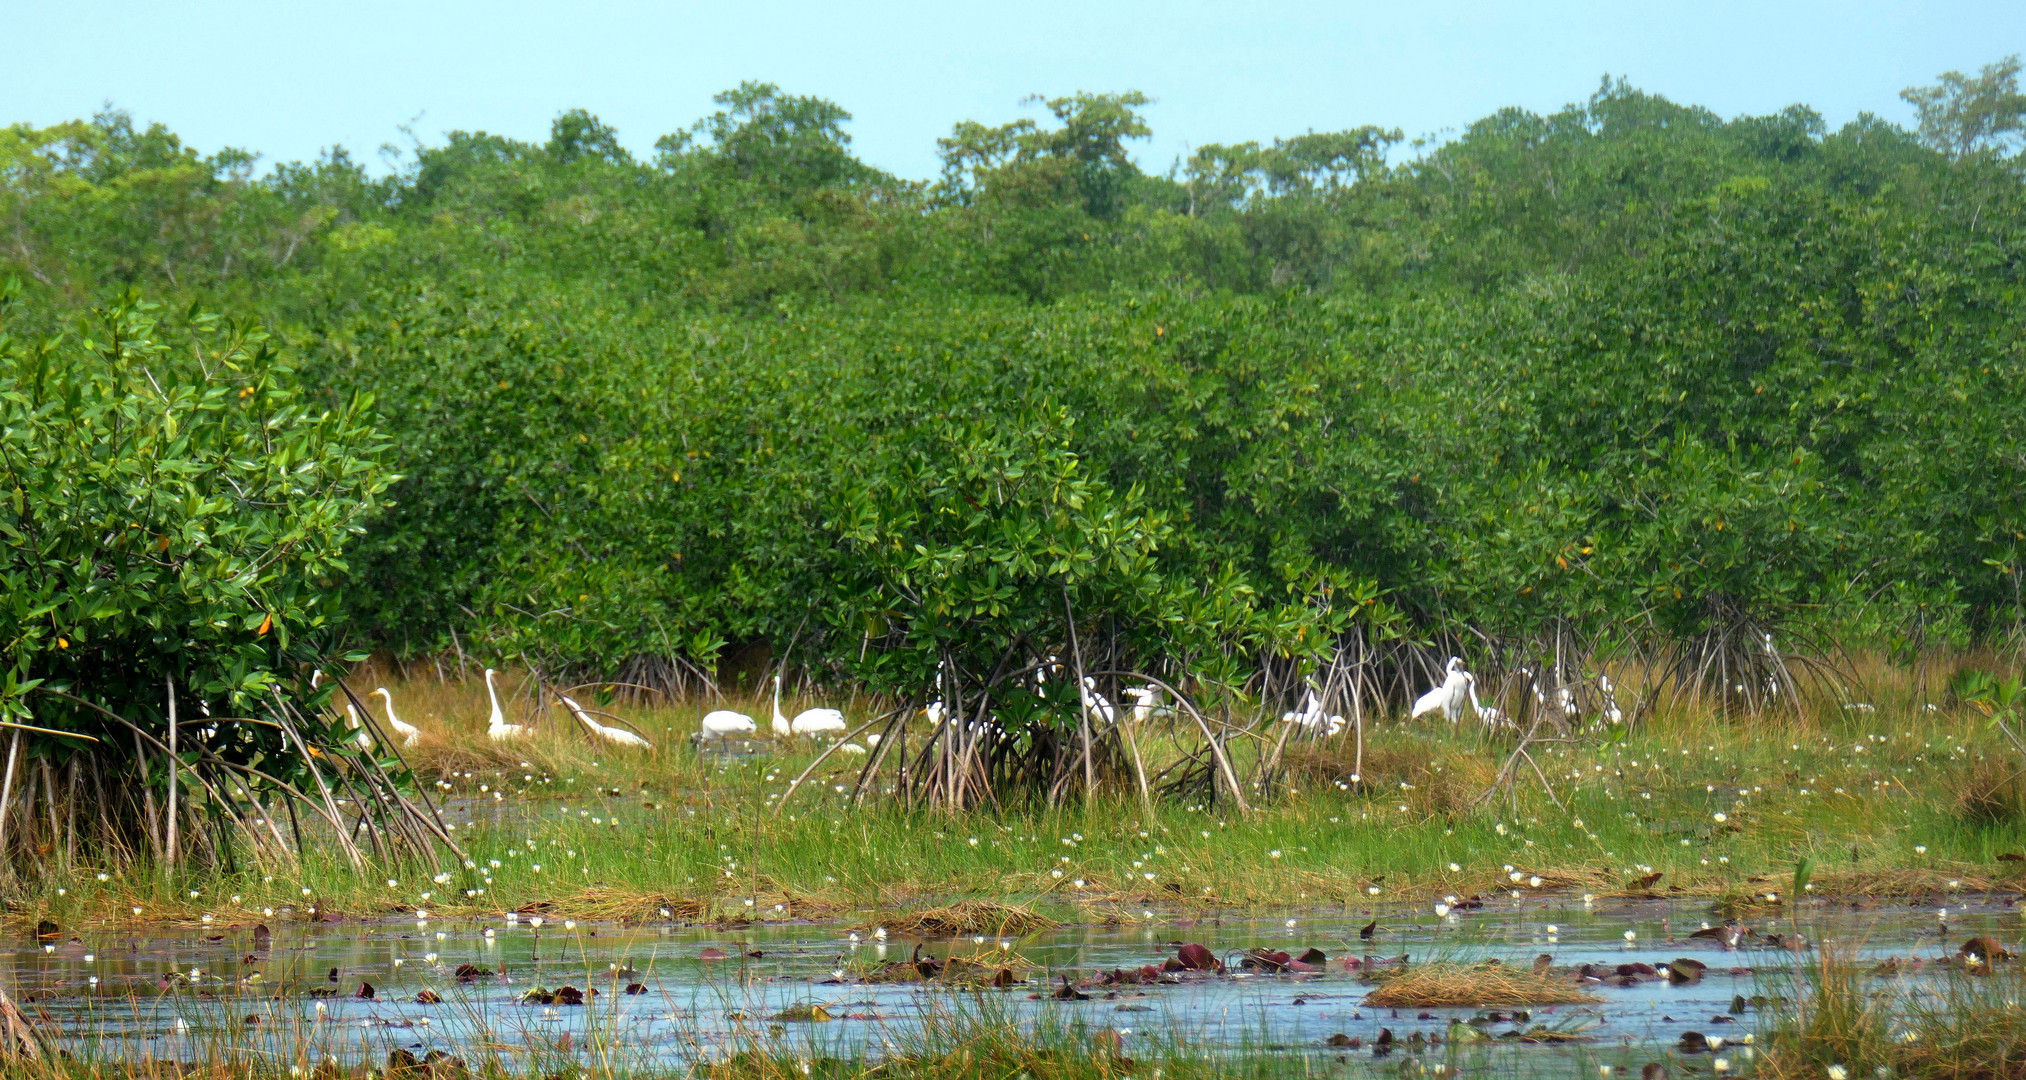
(174, 515)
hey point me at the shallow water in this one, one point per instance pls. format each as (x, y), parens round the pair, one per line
(185, 994)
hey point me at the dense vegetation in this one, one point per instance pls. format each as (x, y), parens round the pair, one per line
(1626, 374)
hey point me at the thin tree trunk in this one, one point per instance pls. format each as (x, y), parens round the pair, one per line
(171, 825)
(70, 816)
(7, 798)
(147, 798)
(294, 825)
(1082, 710)
(55, 823)
(1139, 769)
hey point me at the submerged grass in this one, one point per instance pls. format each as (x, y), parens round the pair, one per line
(1444, 985)
(959, 1034)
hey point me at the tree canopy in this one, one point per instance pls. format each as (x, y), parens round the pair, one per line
(1630, 368)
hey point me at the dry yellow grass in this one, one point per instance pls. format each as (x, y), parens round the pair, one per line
(966, 917)
(1455, 986)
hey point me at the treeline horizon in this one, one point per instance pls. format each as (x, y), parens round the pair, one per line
(1627, 375)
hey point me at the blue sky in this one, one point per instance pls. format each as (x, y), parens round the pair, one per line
(286, 79)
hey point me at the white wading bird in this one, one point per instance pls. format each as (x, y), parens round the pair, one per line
(808, 721)
(496, 728)
(1449, 697)
(618, 736)
(410, 734)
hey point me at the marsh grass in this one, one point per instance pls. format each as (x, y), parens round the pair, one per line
(599, 832)
(1943, 1024)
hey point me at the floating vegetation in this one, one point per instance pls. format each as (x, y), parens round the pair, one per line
(966, 918)
(1447, 985)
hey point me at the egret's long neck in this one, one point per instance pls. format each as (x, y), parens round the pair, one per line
(388, 700)
(777, 700)
(498, 717)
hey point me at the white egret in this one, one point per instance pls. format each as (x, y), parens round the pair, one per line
(1449, 697)
(410, 734)
(497, 728)
(364, 740)
(1310, 716)
(1095, 704)
(725, 724)
(808, 721)
(1488, 715)
(618, 736)
(1146, 699)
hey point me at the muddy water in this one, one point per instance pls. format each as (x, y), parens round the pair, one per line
(188, 994)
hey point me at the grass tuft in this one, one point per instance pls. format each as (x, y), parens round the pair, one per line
(1456, 986)
(967, 918)
(1993, 793)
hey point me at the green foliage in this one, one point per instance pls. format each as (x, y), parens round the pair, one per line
(1629, 369)
(174, 509)
(1961, 115)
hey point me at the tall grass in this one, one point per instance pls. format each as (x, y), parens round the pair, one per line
(1873, 796)
(1943, 1024)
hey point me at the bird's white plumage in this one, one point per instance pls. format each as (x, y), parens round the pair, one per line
(724, 723)
(364, 741)
(782, 727)
(1095, 705)
(817, 722)
(617, 736)
(806, 722)
(496, 728)
(1490, 716)
(410, 734)
(1448, 698)
(1146, 702)
(1310, 716)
